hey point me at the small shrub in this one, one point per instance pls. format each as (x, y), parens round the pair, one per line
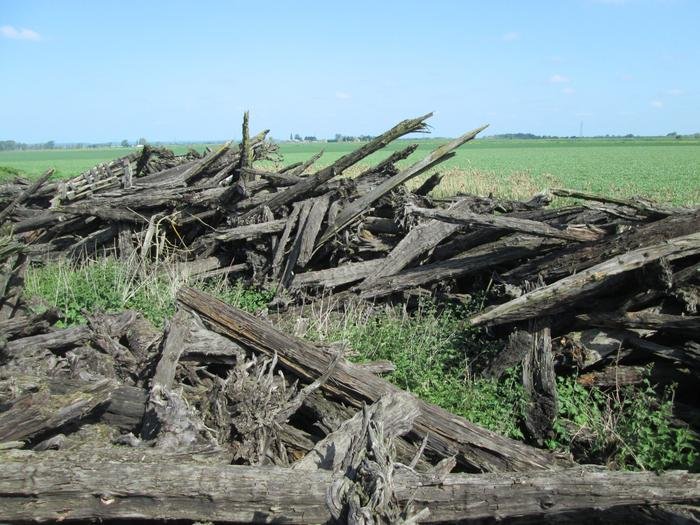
(629, 428)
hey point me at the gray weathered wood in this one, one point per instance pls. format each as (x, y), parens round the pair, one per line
(302, 188)
(447, 434)
(561, 294)
(60, 486)
(468, 218)
(356, 207)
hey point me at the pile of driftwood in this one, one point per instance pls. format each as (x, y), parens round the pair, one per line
(117, 420)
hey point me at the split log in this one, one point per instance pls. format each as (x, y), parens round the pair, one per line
(638, 204)
(398, 412)
(576, 258)
(54, 405)
(356, 207)
(24, 195)
(56, 340)
(338, 276)
(688, 325)
(307, 185)
(478, 259)
(448, 434)
(419, 240)
(303, 166)
(60, 486)
(560, 295)
(467, 218)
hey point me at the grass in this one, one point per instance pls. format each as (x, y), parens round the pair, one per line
(663, 169)
(433, 353)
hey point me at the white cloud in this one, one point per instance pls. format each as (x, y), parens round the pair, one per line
(657, 104)
(510, 36)
(559, 79)
(675, 92)
(568, 91)
(342, 95)
(19, 33)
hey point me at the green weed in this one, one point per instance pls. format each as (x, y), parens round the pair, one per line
(110, 285)
(629, 428)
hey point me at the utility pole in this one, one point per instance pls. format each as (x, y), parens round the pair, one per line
(580, 130)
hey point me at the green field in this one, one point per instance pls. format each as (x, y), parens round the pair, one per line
(662, 169)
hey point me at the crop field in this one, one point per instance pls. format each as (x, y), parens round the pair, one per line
(662, 169)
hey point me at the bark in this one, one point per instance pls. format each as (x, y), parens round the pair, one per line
(448, 434)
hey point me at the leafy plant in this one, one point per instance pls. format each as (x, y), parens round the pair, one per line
(628, 428)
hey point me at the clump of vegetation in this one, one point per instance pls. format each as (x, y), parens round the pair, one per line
(628, 428)
(112, 286)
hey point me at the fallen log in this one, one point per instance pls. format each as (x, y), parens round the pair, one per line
(561, 294)
(576, 258)
(55, 404)
(466, 218)
(60, 486)
(448, 435)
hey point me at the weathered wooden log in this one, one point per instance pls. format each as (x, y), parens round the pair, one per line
(311, 228)
(303, 166)
(55, 404)
(561, 294)
(398, 412)
(613, 376)
(688, 325)
(419, 240)
(337, 276)
(540, 383)
(483, 257)
(26, 325)
(576, 258)
(303, 188)
(25, 194)
(60, 486)
(468, 218)
(56, 340)
(356, 207)
(448, 434)
(641, 205)
(157, 412)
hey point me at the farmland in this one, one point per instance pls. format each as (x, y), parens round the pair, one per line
(663, 169)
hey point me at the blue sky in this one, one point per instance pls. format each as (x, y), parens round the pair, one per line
(108, 70)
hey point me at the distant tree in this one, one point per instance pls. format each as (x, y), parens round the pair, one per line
(291, 137)
(142, 142)
(50, 145)
(297, 136)
(310, 138)
(125, 143)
